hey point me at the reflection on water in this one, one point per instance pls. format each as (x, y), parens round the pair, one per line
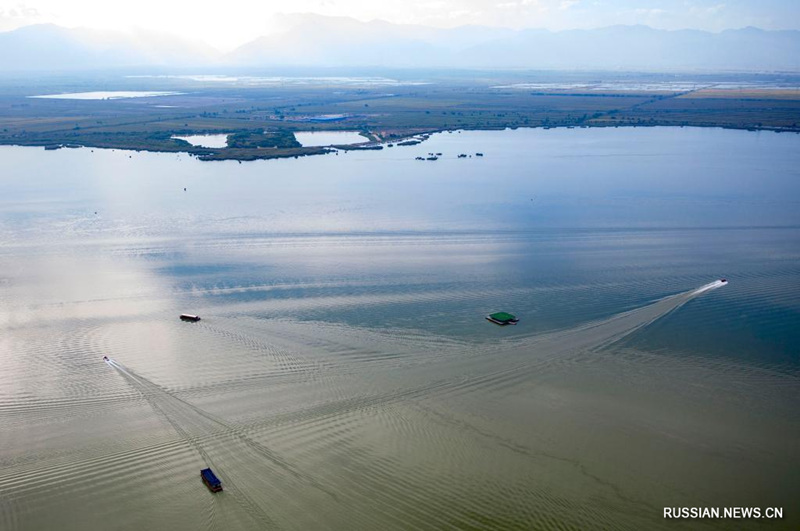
(343, 375)
(329, 138)
(211, 141)
(106, 95)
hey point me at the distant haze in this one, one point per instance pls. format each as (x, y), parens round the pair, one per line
(226, 25)
(319, 41)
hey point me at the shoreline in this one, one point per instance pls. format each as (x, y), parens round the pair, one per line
(207, 154)
(261, 122)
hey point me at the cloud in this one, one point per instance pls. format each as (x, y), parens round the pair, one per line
(19, 11)
(708, 11)
(654, 12)
(516, 4)
(17, 15)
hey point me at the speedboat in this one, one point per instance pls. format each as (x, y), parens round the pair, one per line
(105, 358)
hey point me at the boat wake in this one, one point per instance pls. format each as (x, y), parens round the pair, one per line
(515, 361)
(432, 399)
(243, 464)
(708, 287)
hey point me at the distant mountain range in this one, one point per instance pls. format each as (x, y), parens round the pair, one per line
(316, 41)
(53, 48)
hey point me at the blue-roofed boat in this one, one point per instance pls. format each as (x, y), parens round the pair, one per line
(212, 481)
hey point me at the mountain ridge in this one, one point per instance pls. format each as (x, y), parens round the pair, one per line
(317, 41)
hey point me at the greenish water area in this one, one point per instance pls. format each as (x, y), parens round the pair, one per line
(343, 375)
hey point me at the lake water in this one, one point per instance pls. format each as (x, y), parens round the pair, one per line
(358, 81)
(343, 375)
(329, 138)
(211, 141)
(107, 95)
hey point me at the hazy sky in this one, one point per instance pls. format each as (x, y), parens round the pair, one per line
(228, 23)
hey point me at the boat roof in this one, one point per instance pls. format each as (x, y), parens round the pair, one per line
(209, 475)
(503, 316)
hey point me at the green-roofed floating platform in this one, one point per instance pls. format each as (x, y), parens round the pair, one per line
(502, 318)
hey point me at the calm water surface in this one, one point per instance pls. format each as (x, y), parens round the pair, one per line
(343, 376)
(329, 138)
(106, 95)
(212, 141)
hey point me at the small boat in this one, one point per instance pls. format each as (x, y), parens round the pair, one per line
(724, 280)
(105, 358)
(211, 480)
(190, 317)
(502, 318)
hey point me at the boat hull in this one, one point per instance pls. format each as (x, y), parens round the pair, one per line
(502, 323)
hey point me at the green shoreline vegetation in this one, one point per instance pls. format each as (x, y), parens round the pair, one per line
(260, 121)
